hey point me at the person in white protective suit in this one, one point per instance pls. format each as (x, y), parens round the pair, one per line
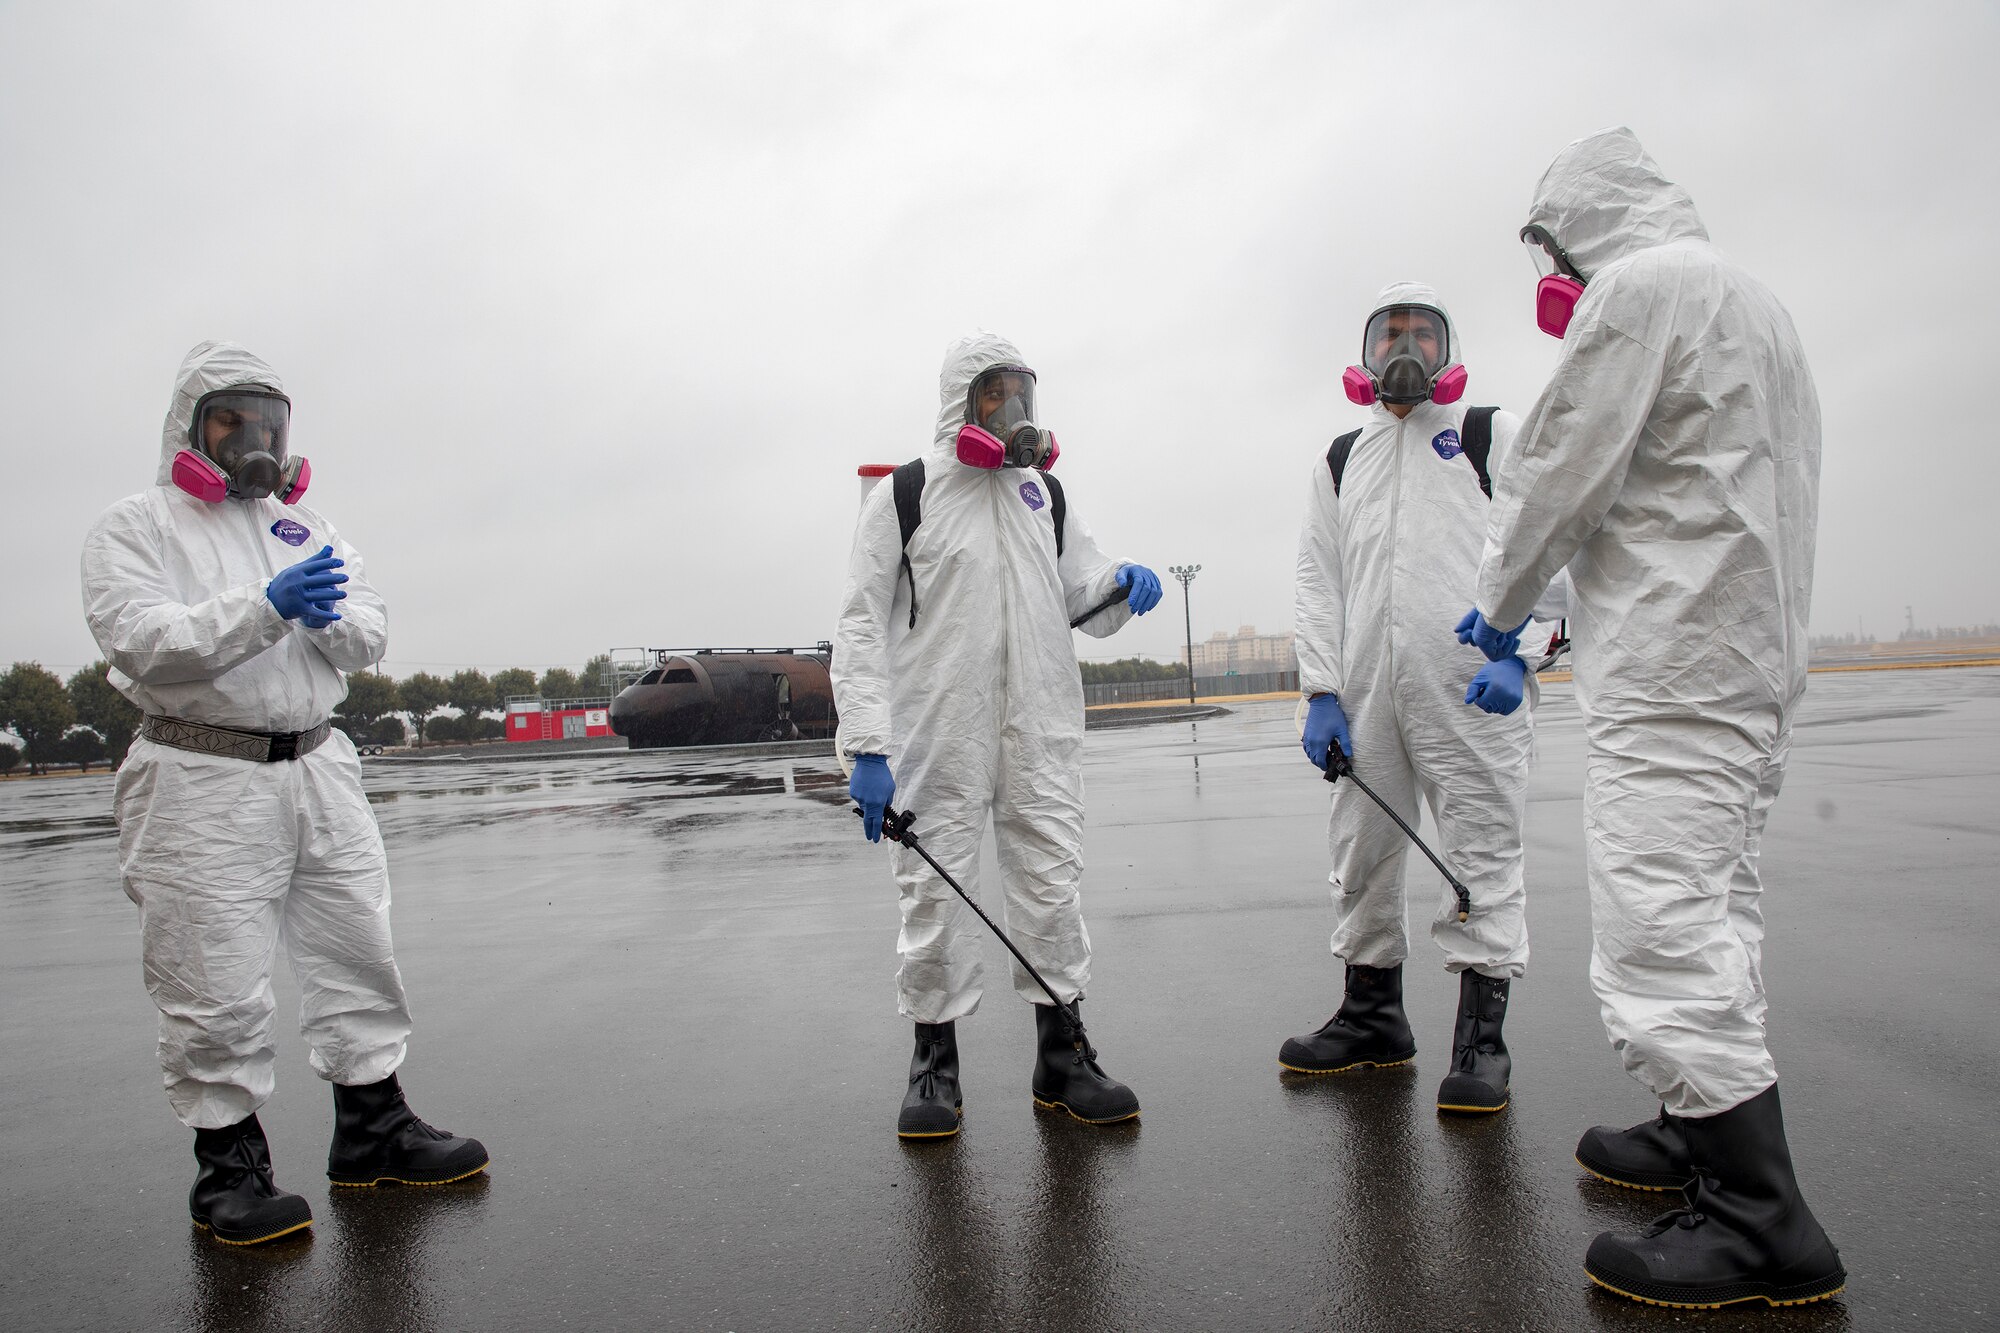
(241, 819)
(1672, 464)
(1389, 548)
(957, 684)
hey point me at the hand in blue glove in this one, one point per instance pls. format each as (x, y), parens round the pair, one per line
(871, 786)
(309, 589)
(1499, 686)
(1145, 586)
(1325, 724)
(1496, 644)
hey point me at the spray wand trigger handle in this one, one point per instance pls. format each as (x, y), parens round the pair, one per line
(1338, 764)
(896, 825)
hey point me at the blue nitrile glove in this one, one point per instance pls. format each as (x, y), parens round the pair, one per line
(1496, 644)
(1145, 586)
(871, 786)
(1325, 724)
(309, 589)
(1499, 686)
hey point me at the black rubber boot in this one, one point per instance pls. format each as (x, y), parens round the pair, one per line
(1649, 1156)
(932, 1107)
(1067, 1076)
(1369, 1029)
(1480, 1065)
(377, 1138)
(1745, 1234)
(234, 1198)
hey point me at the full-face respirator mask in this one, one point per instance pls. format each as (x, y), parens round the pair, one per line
(237, 448)
(1406, 357)
(1561, 283)
(1000, 428)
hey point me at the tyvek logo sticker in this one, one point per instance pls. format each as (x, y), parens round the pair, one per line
(1446, 443)
(1031, 495)
(290, 533)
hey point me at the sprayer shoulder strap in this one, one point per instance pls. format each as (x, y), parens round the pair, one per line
(1058, 506)
(906, 483)
(1475, 439)
(1336, 456)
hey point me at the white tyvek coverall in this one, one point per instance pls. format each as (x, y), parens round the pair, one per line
(1672, 464)
(225, 857)
(978, 707)
(1381, 566)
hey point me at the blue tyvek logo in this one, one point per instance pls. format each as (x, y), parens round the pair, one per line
(1446, 444)
(290, 533)
(1032, 495)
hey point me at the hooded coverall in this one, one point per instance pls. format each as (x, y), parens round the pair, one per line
(228, 857)
(978, 705)
(1381, 566)
(1672, 464)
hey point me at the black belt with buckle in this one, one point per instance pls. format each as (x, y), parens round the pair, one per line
(263, 747)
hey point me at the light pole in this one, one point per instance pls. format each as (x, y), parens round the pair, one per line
(1186, 573)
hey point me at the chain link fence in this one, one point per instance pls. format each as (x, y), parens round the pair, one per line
(1205, 687)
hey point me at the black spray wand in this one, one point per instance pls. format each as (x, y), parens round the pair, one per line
(896, 826)
(1105, 605)
(1339, 766)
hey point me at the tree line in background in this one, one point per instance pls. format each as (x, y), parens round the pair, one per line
(85, 721)
(1127, 670)
(1942, 634)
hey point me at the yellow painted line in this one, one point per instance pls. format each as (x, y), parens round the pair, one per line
(1556, 677)
(1202, 702)
(1909, 666)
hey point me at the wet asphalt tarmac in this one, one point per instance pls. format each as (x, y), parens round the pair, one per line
(661, 991)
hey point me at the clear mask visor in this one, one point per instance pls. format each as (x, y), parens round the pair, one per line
(230, 425)
(1415, 332)
(1547, 257)
(1001, 401)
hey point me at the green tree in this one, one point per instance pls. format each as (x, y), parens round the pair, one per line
(1127, 669)
(472, 695)
(34, 705)
(558, 683)
(104, 710)
(10, 757)
(512, 683)
(591, 679)
(369, 708)
(421, 695)
(83, 747)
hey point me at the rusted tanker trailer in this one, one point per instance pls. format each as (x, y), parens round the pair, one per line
(728, 696)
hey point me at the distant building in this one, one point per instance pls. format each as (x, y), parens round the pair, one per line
(1244, 653)
(533, 718)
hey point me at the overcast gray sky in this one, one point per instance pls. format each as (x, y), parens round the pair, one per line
(590, 311)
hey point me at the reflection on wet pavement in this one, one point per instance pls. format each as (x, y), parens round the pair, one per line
(661, 990)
